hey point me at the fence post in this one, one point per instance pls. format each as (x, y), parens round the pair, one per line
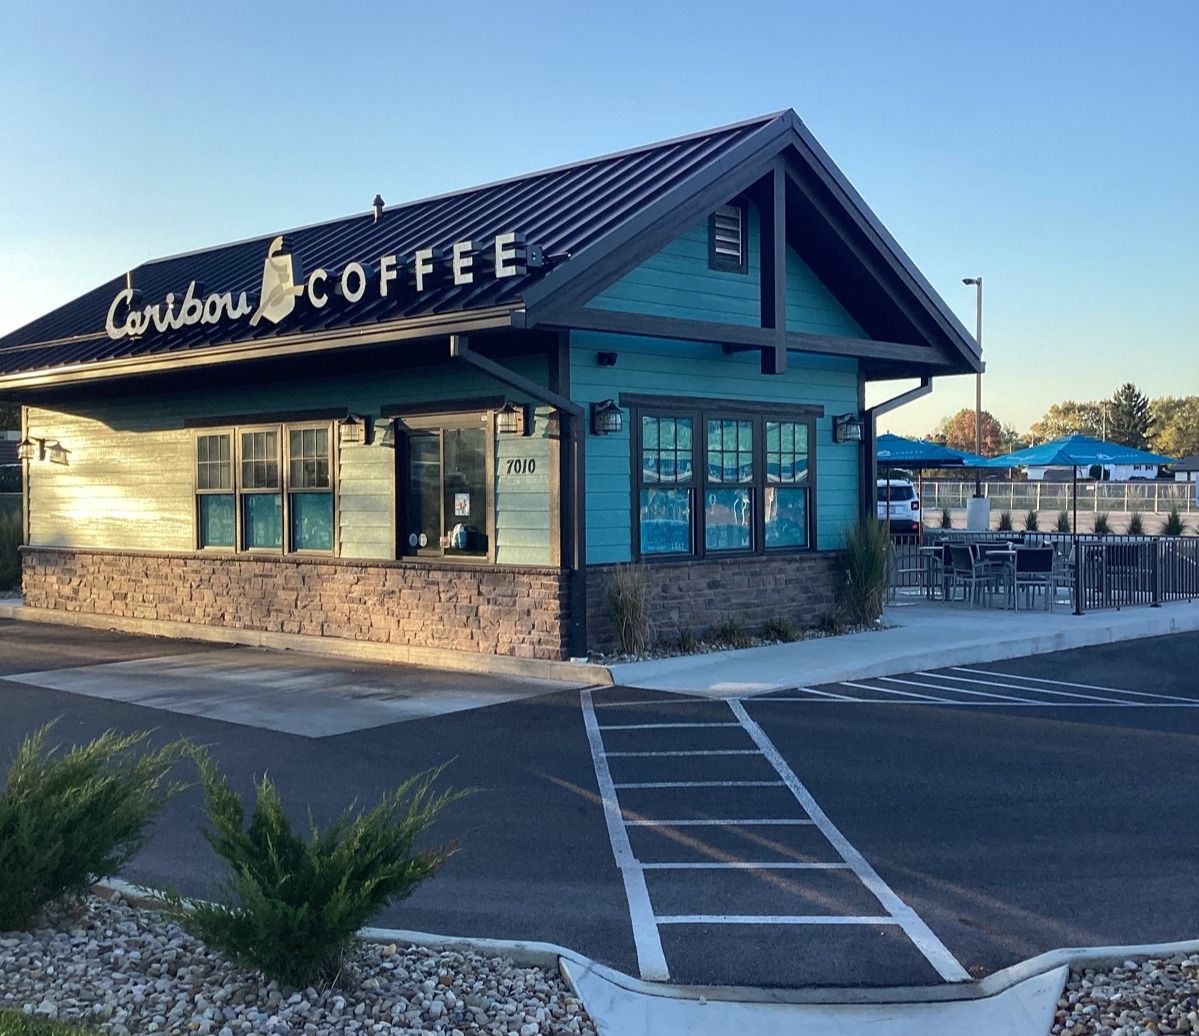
(1157, 575)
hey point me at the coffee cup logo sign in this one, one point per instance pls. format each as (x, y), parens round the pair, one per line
(279, 289)
(390, 276)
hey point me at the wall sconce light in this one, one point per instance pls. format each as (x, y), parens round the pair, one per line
(351, 429)
(513, 419)
(28, 449)
(606, 418)
(606, 359)
(56, 453)
(847, 428)
(388, 438)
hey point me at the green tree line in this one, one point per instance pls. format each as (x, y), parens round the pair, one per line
(1168, 425)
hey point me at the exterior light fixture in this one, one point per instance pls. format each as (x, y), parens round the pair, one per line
(847, 428)
(56, 453)
(606, 359)
(513, 419)
(351, 429)
(28, 448)
(388, 438)
(606, 418)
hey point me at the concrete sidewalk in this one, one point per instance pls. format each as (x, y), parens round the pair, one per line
(919, 634)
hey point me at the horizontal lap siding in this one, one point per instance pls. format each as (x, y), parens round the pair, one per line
(522, 498)
(130, 483)
(676, 282)
(678, 368)
(811, 307)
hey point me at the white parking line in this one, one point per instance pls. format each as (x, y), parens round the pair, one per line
(707, 822)
(913, 926)
(812, 919)
(651, 961)
(661, 726)
(1027, 690)
(697, 751)
(701, 784)
(957, 690)
(1080, 686)
(740, 865)
(905, 694)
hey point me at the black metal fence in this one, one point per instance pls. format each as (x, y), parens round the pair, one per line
(1107, 571)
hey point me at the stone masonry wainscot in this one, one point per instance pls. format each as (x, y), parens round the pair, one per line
(696, 595)
(520, 612)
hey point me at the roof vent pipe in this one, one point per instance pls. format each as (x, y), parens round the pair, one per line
(378, 206)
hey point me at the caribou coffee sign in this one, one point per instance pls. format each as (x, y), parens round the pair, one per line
(283, 285)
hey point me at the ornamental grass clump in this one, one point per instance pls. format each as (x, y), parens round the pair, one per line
(1136, 524)
(294, 905)
(730, 633)
(628, 605)
(1103, 526)
(70, 819)
(867, 571)
(1005, 521)
(946, 518)
(1063, 522)
(1173, 525)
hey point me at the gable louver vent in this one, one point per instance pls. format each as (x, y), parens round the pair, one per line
(726, 233)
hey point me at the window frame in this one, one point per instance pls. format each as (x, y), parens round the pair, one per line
(283, 491)
(423, 422)
(700, 411)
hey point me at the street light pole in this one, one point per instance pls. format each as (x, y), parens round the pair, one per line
(978, 380)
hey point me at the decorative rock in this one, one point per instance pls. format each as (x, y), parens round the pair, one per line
(123, 970)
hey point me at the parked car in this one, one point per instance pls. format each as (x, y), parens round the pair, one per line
(904, 503)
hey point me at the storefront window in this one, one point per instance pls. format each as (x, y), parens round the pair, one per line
(214, 491)
(448, 491)
(749, 472)
(311, 485)
(666, 462)
(786, 492)
(242, 484)
(729, 514)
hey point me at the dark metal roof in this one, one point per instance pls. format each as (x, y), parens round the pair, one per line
(588, 218)
(563, 210)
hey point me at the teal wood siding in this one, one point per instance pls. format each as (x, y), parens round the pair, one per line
(130, 478)
(677, 283)
(522, 495)
(811, 307)
(679, 368)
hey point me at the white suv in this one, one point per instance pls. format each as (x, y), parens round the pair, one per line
(904, 505)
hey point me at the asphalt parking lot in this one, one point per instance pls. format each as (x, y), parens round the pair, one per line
(881, 832)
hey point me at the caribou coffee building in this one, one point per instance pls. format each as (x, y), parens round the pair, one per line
(440, 426)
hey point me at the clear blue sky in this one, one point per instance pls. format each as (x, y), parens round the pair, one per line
(1050, 146)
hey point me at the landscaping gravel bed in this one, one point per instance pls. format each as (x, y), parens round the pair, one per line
(124, 970)
(1152, 996)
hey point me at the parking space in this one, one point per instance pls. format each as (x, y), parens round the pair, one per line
(714, 833)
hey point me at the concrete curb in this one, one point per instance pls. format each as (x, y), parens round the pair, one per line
(579, 674)
(551, 955)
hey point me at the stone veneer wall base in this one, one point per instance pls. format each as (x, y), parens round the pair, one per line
(397, 610)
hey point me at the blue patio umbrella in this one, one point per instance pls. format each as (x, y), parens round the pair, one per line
(894, 451)
(1074, 452)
